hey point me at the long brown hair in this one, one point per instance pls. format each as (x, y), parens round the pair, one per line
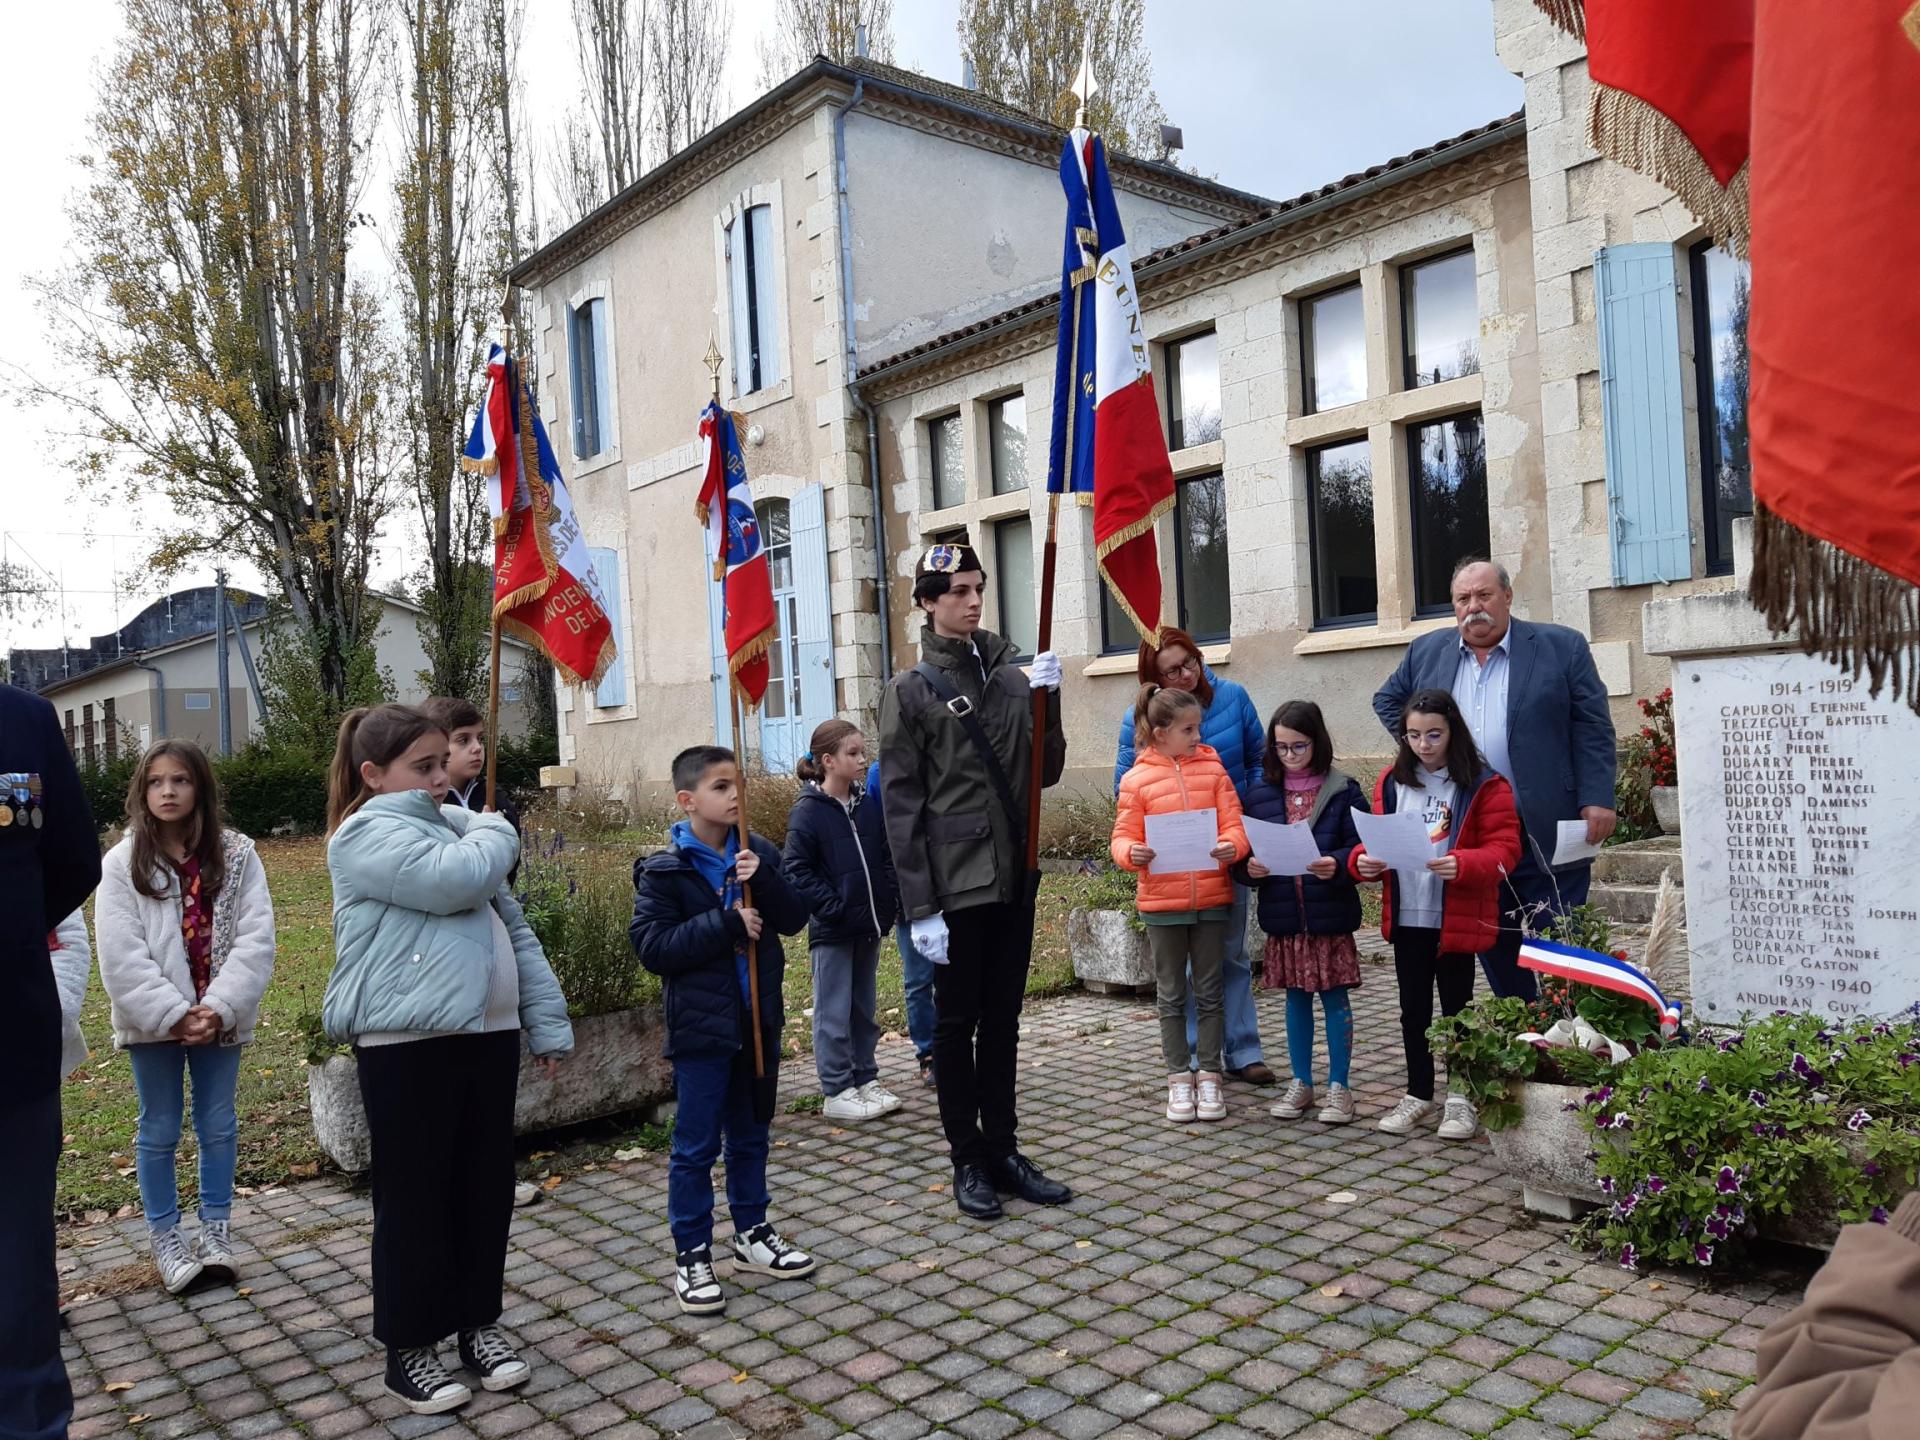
(203, 826)
(1149, 668)
(380, 734)
(1464, 761)
(828, 737)
(1158, 706)
(1303, 717)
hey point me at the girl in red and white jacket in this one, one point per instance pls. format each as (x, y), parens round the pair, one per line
(1438, 918)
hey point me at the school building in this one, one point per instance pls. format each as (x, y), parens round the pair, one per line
(1498, 344)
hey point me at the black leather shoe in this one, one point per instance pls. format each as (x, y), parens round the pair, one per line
(973, 1189)
(1017, 1175)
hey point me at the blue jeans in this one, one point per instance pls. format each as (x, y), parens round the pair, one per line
(715, 1095)
(917, 974)
(158, 1072)
(1236, 978)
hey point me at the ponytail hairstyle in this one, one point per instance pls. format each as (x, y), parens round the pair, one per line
(203, 826)
(828, 737)
(1464, 762)
(1159, 706)
(380, 735)
(1304, 718)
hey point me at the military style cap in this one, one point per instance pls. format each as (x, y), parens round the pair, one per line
(947, 560)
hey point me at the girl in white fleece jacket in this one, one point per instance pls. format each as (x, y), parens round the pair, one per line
(184, 928)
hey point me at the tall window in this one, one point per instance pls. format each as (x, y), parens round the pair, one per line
(1193, 391)
(1720, 292)
(1441, 316)
(1333, 349)
(1449, 481)
(949, 464)
(587, 369)
(1346, 583)
(1007, 438)
(1013, 567)
(756, 318)
(1117, 635)
(1200, 551)
(776, 534)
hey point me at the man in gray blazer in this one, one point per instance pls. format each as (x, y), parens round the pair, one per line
(1533, 699)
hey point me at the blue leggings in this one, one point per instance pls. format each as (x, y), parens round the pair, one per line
(1339, 1034)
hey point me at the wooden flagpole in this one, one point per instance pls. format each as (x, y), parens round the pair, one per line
(493, 614)
(1083, 87)
(713, 359)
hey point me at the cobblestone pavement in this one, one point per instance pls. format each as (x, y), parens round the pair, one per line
(1246, 1278)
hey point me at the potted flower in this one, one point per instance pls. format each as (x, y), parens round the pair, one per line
(1653, 750)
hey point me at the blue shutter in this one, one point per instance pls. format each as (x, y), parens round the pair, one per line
(1641, 408)
(717, 649)
(612, 689)
(813, 609)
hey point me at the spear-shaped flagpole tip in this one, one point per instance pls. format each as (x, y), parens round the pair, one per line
(1085, 86)
(712, 360)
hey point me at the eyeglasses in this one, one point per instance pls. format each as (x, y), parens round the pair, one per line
(1188, 666)
(1426, 737)
(1297, 747)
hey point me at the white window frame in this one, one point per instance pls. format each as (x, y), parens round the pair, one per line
(781, 350)
(606, 376)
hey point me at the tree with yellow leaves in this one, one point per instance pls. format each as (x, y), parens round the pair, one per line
(1027, 54)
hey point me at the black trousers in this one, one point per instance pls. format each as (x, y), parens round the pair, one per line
(1418, 966)
(977, 996)
(35, 1399)
(441, 1115)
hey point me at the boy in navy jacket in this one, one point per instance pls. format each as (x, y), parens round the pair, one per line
(691, 929)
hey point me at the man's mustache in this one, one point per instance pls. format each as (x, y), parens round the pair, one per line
(1477, 616)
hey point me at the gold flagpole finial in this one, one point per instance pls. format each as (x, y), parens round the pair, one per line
(713, 360)
(1085, 86)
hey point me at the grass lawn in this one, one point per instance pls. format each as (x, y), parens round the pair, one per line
(276, 1139)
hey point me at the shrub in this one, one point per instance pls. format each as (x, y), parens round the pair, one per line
(264, 791)
(1076, 826)
(579, 906)
(770, 800)
(105, 784)
(517, 765)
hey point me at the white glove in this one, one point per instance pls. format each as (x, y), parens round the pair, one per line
(930, 939)
(1045, 670)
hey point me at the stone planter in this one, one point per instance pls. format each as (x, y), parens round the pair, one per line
(616, 1065)
(1666, 808)
(1110, 956)
(1546, 1151)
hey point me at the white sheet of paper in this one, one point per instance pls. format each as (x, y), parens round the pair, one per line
(1397, 840)
(1283, 849)
(1572, 846)
(1183, 841)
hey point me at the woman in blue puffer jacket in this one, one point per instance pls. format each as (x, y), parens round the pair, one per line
(1231, 725)
(837, 859)
(436, 976)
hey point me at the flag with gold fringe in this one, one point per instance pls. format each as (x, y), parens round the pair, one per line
(725, 507)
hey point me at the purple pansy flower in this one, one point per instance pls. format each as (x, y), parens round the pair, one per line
(1727, 1182)
(1717, 1228)
(1879, 1215)
(1629, 1257)
(1754, 1097)
(1706, 1086)
(1624, 1208)
(1870, 1169)
(1606, 1184)
(1906, 1058)
(1858, 1120)
(1803, 1069)
(1703, 1254)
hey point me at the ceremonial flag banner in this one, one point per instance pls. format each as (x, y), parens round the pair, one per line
(544, 588)
(725, 507)
(1107, 441)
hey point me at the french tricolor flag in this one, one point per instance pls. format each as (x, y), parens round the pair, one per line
(1604, 972)
(1103, 391)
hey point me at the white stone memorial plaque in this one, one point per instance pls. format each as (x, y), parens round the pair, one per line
(1800, 798)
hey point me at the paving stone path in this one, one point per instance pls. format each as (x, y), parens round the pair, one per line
(1247, 1278)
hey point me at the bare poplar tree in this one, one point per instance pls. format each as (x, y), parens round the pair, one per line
(806, 28)
(1027, 53)
(613, 71)
(686, 52)
(232, 368)
(571, 167)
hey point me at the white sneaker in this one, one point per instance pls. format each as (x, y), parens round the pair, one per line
(525, 1192)
(490, 1355)
(883, 1099)
(214, 1246)
(1462, 1121)
(1410, 1112)
(1211, 1104)
(179, 1267)
(762, 1252)
(849, 1104)
(695, 1285)
(1339, 1107)
(1180, 1097)
(1295, 1103)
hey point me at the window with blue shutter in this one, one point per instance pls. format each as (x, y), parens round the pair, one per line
(612, 689)
(1642, 413)
(813, 609)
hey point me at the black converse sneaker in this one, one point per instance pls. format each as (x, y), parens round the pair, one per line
(763, 1252)
(418, 1380)
(489, 1354)
(694, 1283)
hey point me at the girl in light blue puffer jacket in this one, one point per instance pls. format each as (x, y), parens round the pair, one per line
(436, 976)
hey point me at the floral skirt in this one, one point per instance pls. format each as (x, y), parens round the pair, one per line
(1310, 962)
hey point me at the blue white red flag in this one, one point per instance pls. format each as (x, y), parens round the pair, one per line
(544, 587)
(1605, 972)
(725, 507)
(1103, 394)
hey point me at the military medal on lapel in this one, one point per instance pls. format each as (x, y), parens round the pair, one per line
(38, 810)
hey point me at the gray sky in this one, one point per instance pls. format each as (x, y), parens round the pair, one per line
(1274, 96)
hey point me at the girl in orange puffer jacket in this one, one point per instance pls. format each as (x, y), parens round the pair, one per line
(1186, 912)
